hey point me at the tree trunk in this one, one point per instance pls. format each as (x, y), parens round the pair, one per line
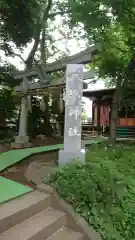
(39, 27)
(32, 53)
(114, 114)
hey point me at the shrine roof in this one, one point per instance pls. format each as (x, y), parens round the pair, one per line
(98, 92)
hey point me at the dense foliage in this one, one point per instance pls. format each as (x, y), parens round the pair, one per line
(7, 104)
(115, 55)
(8, 112)
(102, 190)
(8, 100)
(34, 24)
(18, 20)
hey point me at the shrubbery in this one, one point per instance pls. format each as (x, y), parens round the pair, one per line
(102, 190)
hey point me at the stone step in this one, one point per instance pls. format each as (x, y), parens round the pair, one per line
(66, 234)
(16, 211)
(40, 226)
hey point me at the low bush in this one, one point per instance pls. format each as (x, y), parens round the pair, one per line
(102, 190)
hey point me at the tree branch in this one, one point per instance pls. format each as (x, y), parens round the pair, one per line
(46, 14)
(60, 39)
(52, 15)
(43, 47)
(31, 55)
(18, 55)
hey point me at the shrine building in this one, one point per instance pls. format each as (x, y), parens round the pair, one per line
(101, 112)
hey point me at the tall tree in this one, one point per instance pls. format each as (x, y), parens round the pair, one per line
(112, 64)
(34, 25)
(36, 16)
(111, 23)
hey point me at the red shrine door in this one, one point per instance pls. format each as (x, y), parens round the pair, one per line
(104, 115)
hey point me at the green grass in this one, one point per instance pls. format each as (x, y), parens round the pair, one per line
(10, 190)
(9, 158)
(102, 190)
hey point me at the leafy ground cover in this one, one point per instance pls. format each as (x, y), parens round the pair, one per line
(102, 190)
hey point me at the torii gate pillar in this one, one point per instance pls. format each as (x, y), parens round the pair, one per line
(23, 139)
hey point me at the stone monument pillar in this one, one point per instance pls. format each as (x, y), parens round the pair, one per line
(73, 108)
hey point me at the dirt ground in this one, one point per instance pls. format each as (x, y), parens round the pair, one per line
(32, 170)
(36, 142)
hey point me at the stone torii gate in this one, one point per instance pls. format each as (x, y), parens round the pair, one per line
(27, 88)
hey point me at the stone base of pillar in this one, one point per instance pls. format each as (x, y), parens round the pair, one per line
(21, 141)
(68, 156)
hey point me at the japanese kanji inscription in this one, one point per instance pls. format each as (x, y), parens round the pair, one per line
(73, 108)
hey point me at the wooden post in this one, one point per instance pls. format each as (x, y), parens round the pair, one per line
(93, 112)
(98, 117)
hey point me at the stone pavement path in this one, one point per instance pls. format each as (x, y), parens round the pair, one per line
(37, 171)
